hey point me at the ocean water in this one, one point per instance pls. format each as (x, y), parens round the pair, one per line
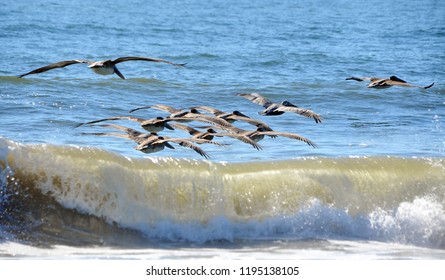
(374, 188)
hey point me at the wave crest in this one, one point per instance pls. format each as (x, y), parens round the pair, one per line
(386, 198)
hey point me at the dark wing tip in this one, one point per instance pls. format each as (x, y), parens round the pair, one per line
(355, 79)
(139, 108)
(78, 125)
(117, 72)
(429, 86)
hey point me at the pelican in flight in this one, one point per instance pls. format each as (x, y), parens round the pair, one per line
(234, 116)
(210, 133)
(273, 109)
(386, 82)
(259, 133)
(151, 125)
(187, 116)
(104, 67)
(151, 143)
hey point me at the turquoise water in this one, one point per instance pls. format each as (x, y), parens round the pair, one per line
(301, 51)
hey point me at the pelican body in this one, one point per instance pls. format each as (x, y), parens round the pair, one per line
(274, 109)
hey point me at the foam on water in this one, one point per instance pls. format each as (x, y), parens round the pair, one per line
(382, 199)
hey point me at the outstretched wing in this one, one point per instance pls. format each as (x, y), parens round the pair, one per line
(240, 137)
(161, 107)
(251, 121)
(59, 64)
(132, 134)
(189, 129)
(223, 124)
(303, 112)
(212, 110)
(257, 98)
(112, 119)
(359, 79)
(129, 58)
(107, 134)
(187, 144)
(289, 135)
(399, 82)
(429, 86)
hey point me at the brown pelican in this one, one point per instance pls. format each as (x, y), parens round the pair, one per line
(386, 82)
(151, 143)
(104, 67)
(187, 116)
(210, 133)
(152, 125)
(132, 134)
(173, 111)
(259, 133)
(273, 109)
(234, 116)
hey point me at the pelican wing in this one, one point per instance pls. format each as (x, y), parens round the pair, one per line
(303, 112)
(129, 58)
(257, 98)
(289, 135)
(59, 64)
(128, 130)
(240, 137)
(212, 110)
(251, 121)
(106, 134)
(186, 143)
(360, 79)
(160, 107)
(189, 129)
(139, 108)
(221, 123)
(132, 134)
(152, 140)
(428, 86)
(114, 118)
(165, 108)
(395, 81)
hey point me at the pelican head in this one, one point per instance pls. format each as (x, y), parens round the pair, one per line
(194, 111)
(238, 113)
(287, 103)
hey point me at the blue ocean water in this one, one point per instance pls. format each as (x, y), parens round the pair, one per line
(387, 145)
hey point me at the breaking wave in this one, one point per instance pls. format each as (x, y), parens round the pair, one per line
(82, 195)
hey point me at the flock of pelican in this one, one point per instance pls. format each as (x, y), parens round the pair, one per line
(217, 123)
